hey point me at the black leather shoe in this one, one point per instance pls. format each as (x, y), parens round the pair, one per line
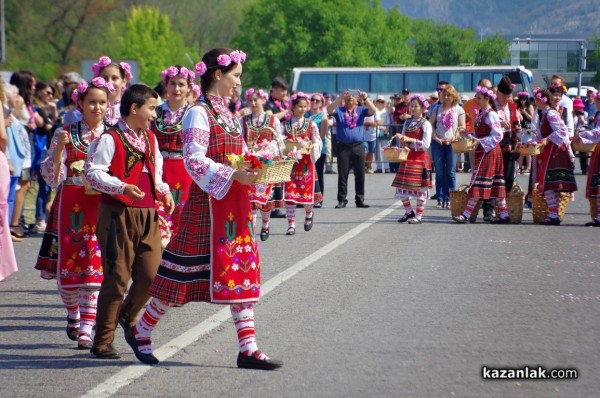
(406, 216)
(362, 205)
(109, 353)
(341, 204)
(124, 324)
(500, 220)
(551, 221)
(72, 332)
(133, 343)
(460, 219)
(278, 213)
(252, 362)
(594, 223)
(308, 223)
(264, 234)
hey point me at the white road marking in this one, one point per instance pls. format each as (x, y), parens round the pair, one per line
(130, 373)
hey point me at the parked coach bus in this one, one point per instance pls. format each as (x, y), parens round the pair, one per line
(389, 80)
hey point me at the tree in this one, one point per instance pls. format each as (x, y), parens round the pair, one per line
(442, 44)
(594, 59)
(281, 34)
(146, 36)
(492, 50)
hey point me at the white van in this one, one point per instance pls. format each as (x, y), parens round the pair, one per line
(572, 92)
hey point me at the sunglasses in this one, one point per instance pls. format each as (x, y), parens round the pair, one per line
(315, 100)
(439, 89)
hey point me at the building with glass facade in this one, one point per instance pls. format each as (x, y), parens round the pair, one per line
(546, 56)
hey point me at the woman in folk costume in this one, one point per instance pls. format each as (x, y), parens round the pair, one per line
(487, 180)
(413, 178)
(592, 189)
(167, 128)
(69, 250)
(119, 75)
(318, 114)
(554, 165)
(301, 189)
(214, 257)
(261, 129)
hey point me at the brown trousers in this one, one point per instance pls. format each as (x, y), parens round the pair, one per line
(129, 239)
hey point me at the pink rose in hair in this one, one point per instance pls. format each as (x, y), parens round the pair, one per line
(200, 68)
(172, 71)
(223, 60)
(104, 61)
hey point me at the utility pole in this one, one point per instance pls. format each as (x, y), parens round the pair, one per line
(581, 65)
(2, 29)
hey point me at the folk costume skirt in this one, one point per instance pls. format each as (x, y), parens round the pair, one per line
(301, 188)
(487, 180)
(413, 176)
(555, 170)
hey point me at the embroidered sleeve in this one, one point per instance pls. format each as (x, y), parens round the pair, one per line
(213, 178)
(162, 188)
(488, 143)
(277, 144)
(560, 134)
(317, 143)
(590, 136)
(425, 143)
(52, 178)
(100, 154)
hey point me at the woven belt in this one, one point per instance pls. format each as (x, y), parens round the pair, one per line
(171, 155)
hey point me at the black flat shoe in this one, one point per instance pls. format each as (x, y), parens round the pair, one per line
(134, 344)
(551, 221)
(500, 220)
(252, 362)
(362, 205)
(123, 323)
(109, 353)
(291, 231)
(460, 219)
(594, 223)
(278, 213)
(406, 216)
(308, 223)
(85, 344)
(341, 204)
(264, 234)
(72, 332)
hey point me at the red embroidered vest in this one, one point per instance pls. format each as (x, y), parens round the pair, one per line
(169, 137)
(254, 134)
(127, 164)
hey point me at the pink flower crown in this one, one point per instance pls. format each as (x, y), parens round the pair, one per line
(196, 90)
(97, 82)
(421, 99)
(293, 98)
(540, 97)
(237, 56)
(523, 94)
(486, 91)
(536, 90)
(173, 71)
(597, 95)
(261, 94)
(104, 61)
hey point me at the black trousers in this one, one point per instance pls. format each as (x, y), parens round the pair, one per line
(352, 154)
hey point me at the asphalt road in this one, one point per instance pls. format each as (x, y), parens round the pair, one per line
(360, 306)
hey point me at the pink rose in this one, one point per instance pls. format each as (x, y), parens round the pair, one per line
(236, 57)
(104, 61)
(200, 68)
(223, 60)
(172, 71)
(96, 69)
(110, 87)
(98, 82)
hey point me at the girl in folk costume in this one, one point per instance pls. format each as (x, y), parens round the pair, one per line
(167, 128)
(318, 115)
(413, 178)
(301, 188)
(259, 127)
(487, 181)
(70, 251)
(118, 74)
(554, 165)
(214, 257)
(592, 189)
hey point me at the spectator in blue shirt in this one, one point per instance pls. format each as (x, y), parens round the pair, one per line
(350, 134)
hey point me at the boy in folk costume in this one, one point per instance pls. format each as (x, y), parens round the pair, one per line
(126, 166)
(214, 257)
(260, 127)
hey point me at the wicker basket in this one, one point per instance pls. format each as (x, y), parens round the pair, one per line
(534, 149)
(394, 155)
(539, 207)
(458, 203)
(515, 199)
(278, 171)
(580, 147)
(290, 145)
(464, 146)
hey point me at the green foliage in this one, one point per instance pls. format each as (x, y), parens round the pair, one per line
(442, 44)
(147, 37)
(492, 50)
(594, 57)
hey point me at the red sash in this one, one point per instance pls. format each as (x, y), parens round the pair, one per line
(235, 263)
(79, 262)
(175, 174)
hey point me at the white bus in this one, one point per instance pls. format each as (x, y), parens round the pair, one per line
(389, 80)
